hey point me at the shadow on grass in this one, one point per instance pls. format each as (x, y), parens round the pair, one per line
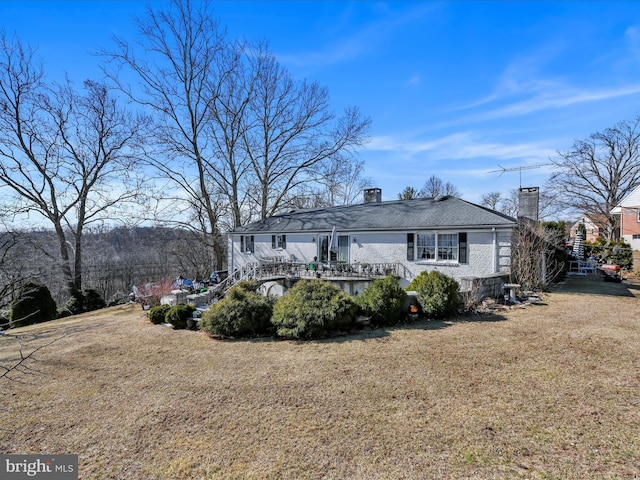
(595, 285)
(421, 324)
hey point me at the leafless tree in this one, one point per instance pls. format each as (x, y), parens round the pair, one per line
(598, 172)
(534, 262)
(182, 63)
(509, 204)
(66, 156)
(435, 187)
(294, 138)
(492, 200)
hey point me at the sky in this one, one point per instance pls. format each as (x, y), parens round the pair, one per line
(456, 89)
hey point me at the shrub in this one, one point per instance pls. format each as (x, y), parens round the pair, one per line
(73, 305)
(312, 309)
(85, 301)
(617, 252)
(33, 304)
(178, 315)
(248, 285)
(241, 313)
(93, 300)
(382, 301)
(157, 315)
(437, 293)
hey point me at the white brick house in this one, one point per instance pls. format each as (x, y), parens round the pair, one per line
(458, 238)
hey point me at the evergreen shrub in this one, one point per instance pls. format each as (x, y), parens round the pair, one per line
(85, 301)
(93, 300)
(34, 304)
(616, 252)
(241, 313)
(178, 315)
(437, 294)
(382, 301)
(158, 314)
(313, 309)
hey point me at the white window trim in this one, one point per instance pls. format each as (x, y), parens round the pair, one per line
(436, 261)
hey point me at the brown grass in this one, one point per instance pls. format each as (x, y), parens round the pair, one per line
(549, 391)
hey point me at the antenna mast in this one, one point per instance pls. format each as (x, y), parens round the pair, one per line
(519, 169)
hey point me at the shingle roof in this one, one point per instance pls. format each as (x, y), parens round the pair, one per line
(422, 213)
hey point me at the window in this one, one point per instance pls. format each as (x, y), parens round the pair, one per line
(636, 236)
(439, 247)
(426, 246)
(343, 248)
(246, 244)
(278, 242)
(448, 246)
(638, 216)
(340, 255)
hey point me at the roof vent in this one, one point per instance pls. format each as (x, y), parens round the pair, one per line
(439, 198)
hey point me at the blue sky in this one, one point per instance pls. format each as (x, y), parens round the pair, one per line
(454, 89)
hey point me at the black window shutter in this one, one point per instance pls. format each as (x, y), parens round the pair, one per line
(273, 241)
(410, 247)
(462, 248)
(284, 241)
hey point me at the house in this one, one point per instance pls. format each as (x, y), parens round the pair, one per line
(628, 211)
(593, 226)
(404, 237)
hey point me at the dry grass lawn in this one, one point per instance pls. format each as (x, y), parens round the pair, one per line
(551, 391)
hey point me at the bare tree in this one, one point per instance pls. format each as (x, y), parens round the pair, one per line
(509, 204)
(534, 259)
(172, 63)
(492, 200)
(435, 187)
(61, 153)
(294, 137)
(599, 171)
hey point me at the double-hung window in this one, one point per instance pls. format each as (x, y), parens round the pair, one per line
(448, 246)
(278, 242)
(438, 247)
(426, 246)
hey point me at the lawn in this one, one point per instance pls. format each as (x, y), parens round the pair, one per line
(547, 391)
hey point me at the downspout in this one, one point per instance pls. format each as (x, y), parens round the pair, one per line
(231, 256)
(495, 250)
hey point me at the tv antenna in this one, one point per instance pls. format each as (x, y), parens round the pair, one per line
(503, 170)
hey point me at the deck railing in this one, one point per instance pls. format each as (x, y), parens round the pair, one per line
(336, 270)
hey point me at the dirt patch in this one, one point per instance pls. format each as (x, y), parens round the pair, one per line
(549, 391)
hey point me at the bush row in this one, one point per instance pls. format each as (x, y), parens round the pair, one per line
(316, 308)
(176, 315)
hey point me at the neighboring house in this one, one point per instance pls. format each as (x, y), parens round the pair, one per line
(592, 227)
(455, 237)
(628, 211)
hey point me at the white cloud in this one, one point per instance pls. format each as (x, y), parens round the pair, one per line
(462, 146)
(357, 43)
